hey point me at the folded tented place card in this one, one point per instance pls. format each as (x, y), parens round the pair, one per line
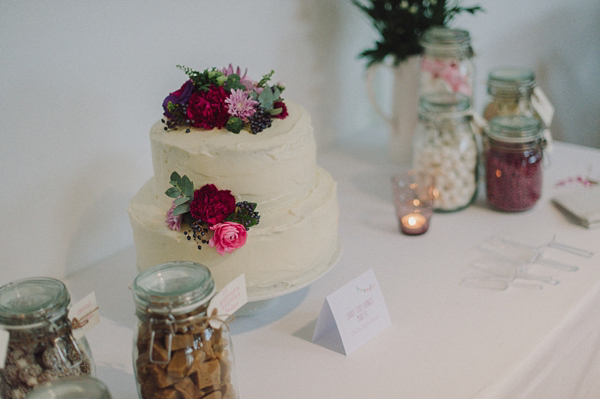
(352, 315)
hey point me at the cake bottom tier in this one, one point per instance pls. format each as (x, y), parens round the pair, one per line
(276, 258)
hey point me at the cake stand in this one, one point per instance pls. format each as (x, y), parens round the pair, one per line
(264, 298)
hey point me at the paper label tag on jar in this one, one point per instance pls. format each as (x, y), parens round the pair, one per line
(542, 105)
(84, 315)
(4, 335)
(232, 297)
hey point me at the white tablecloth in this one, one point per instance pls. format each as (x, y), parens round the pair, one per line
(446, 340)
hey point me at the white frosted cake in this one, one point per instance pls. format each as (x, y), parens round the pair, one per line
(281, 232)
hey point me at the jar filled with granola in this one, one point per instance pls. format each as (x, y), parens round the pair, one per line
(513, 150)
(179, 350)
(41, 346)
(446, 65)
(445, 147)
(510, 90)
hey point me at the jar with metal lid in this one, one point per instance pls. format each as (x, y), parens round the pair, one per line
(510, 90)
(83, 387)
(446, 64)
(513, 150)
(445, 147)
(178, 350)
(41, 346)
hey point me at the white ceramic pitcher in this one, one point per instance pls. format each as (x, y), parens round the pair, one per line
(403, 117)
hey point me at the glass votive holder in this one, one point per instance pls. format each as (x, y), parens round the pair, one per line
(81, 387)
(412, 191)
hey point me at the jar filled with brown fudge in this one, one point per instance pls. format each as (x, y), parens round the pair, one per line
(513, 162)
(180, 351)
(41, 346)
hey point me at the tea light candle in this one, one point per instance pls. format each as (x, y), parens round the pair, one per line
(413, 224)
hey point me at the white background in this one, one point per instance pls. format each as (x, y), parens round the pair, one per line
(81, 82)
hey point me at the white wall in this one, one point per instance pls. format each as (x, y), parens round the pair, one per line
(82, 81)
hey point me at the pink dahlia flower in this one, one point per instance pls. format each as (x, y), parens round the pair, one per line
(228, 237)
(173, 221)
(240, 104)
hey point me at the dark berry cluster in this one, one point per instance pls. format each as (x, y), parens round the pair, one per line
(245, 214)
(198, 232)
(259, 121)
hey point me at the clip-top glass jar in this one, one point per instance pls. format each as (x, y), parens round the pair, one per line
(446, 65)
(41, 345)
(177, 352)
(510, 90)
(445, 146)
(513, 162)
(84, 387)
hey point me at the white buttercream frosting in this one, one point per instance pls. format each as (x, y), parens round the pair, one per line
(296, 238)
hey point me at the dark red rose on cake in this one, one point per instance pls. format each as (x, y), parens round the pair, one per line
(211, 205)
(207, 109)
(179, 97)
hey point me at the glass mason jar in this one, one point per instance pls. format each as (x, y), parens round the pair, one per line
(446, 65)
(176, 351)
(513, 149)
(84, 387)
(445, 146)
(41, 345)
(510, 90)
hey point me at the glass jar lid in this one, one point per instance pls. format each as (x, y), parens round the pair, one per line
(510, 80)
(173, 287)
(33, 300)
(441, 40)
(83, 387)
(444, 105)
(515, 129)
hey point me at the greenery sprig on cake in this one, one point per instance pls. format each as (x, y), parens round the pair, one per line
(226, 99)
(213, 215)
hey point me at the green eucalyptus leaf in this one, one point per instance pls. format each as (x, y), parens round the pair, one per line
(275, 111)
(266, 98)
(173, 192)
(175, 178)
(181, 209)
(181, 200)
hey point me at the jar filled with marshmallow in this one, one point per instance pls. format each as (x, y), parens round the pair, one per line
(510, 90)
(41, 346)
(446, 65)
(445, 147)
(179, 350)
(513, 149)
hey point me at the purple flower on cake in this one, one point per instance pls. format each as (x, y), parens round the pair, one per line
(179, 97)
(173, 221)
(240, 104)
(228, 236)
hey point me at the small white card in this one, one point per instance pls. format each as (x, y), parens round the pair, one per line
(4, 336)
(84, 315)
(232, 297)
(352, 315)
(542, 106)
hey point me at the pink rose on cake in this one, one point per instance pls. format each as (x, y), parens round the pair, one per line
(228, 236)
(206, 109)
(211, 205)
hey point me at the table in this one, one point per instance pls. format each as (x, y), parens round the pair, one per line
(446, 340)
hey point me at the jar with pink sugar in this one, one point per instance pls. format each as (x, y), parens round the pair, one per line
(513, 150)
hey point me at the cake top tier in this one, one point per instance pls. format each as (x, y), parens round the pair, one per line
(224, 99)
